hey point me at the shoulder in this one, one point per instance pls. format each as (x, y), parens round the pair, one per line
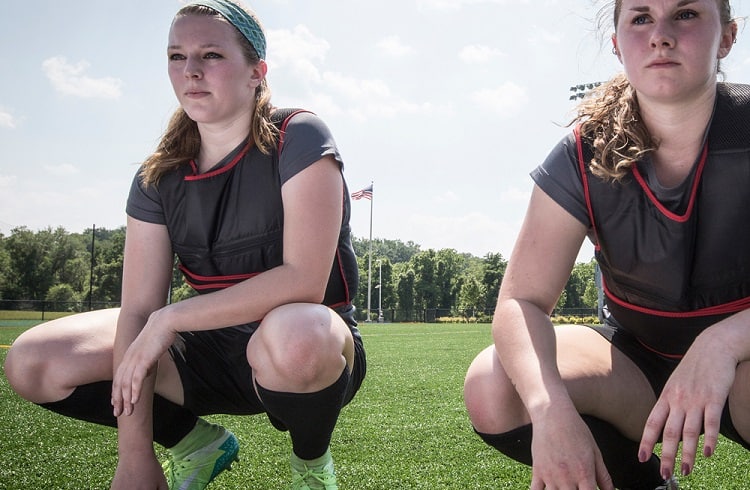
(730, 127)
(301, 121)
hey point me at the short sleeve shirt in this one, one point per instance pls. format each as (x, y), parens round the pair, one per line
(307, 139)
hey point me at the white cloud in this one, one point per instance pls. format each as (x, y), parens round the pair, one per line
(479, 54)
(71, 79)
(7, 120)
(506, 100)
(7, 181)
(295, 46)
(392, 46)
(61, 170)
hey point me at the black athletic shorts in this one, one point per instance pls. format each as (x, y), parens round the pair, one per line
(657, 368)
(217, 379)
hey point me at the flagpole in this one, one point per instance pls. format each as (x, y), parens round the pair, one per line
(369, 259)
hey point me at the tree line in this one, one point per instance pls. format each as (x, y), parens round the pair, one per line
(76, 271)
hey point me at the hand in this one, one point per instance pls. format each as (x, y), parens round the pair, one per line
(139, 473)
(139, 362)
(565, 455)
(693, 398)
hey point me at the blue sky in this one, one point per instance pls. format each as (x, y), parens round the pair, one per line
(446, 105)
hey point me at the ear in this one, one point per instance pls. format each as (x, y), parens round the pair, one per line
(615, 49)
(259, 72)
(728, 38)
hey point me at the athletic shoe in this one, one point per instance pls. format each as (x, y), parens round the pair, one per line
(317, 474)
(200, 456)
(670, 484)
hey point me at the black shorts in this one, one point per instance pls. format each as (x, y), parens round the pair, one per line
(657, 369)
(217, 379)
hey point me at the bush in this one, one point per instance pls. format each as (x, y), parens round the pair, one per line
(574, 320)
(62, 297)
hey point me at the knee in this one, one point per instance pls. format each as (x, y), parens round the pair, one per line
(492, 403)
(299, 342)
(24, 368)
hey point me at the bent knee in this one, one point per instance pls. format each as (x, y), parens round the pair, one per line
(491, 399)
(299, 341)
(24, 368)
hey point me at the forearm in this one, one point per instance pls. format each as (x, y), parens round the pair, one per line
(525, 340)
(730, 336)
(245, 302)
(135, 429)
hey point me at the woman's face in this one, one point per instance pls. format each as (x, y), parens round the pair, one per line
(210, 75)
(670, 48)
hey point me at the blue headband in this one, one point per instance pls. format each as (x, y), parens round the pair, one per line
(240, 19)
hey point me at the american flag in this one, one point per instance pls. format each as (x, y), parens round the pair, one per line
(365, 193)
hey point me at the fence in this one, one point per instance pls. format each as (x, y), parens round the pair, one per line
(31, 307)
(391, 315)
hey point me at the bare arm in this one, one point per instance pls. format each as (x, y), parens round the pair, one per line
(539, 267)
(147, 271)
(693, 398)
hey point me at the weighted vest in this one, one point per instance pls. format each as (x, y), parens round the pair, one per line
(669, 276)
(227, 225)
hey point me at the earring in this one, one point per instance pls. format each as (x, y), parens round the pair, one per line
(614, 50)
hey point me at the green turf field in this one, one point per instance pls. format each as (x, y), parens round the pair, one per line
(406, 429)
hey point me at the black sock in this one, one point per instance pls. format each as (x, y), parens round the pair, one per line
(309, 417)
(92, 403)
(619, 453)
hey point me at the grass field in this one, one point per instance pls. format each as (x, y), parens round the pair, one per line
(406, 429)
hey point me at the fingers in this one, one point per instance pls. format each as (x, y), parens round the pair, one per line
(652, 431)
(711, 428)
(603, 479)
(675, 427)
(127, 386)
(691, 431)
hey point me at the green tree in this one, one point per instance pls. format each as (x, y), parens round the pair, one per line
(472, 295)
(425, 285)
(492, 277)
(405, 292)
(30, 257)
(62, 297)
(449, 266)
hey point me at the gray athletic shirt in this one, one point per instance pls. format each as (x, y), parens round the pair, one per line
(559, 176)
(307, 139)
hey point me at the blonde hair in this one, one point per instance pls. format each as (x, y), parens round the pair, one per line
(609, 117)
(181, 140)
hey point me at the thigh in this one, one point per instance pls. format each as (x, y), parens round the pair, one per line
(48, 361)
(602, 380)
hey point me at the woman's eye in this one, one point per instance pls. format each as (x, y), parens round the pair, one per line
(176, 57)
(212, 55)
(688, 14)
(639, 20)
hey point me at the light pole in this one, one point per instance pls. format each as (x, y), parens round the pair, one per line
(380, 291)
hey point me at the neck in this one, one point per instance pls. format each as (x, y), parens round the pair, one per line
(217, 140)
(679, 130)
(675, 123)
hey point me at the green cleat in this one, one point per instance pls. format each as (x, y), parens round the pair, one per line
(317, 474)
(204, 453)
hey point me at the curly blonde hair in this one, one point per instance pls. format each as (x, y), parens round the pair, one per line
(181, 141)
(609, 116)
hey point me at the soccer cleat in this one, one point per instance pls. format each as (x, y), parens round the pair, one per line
(317, 474)
(670, 484)
(205, 452)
